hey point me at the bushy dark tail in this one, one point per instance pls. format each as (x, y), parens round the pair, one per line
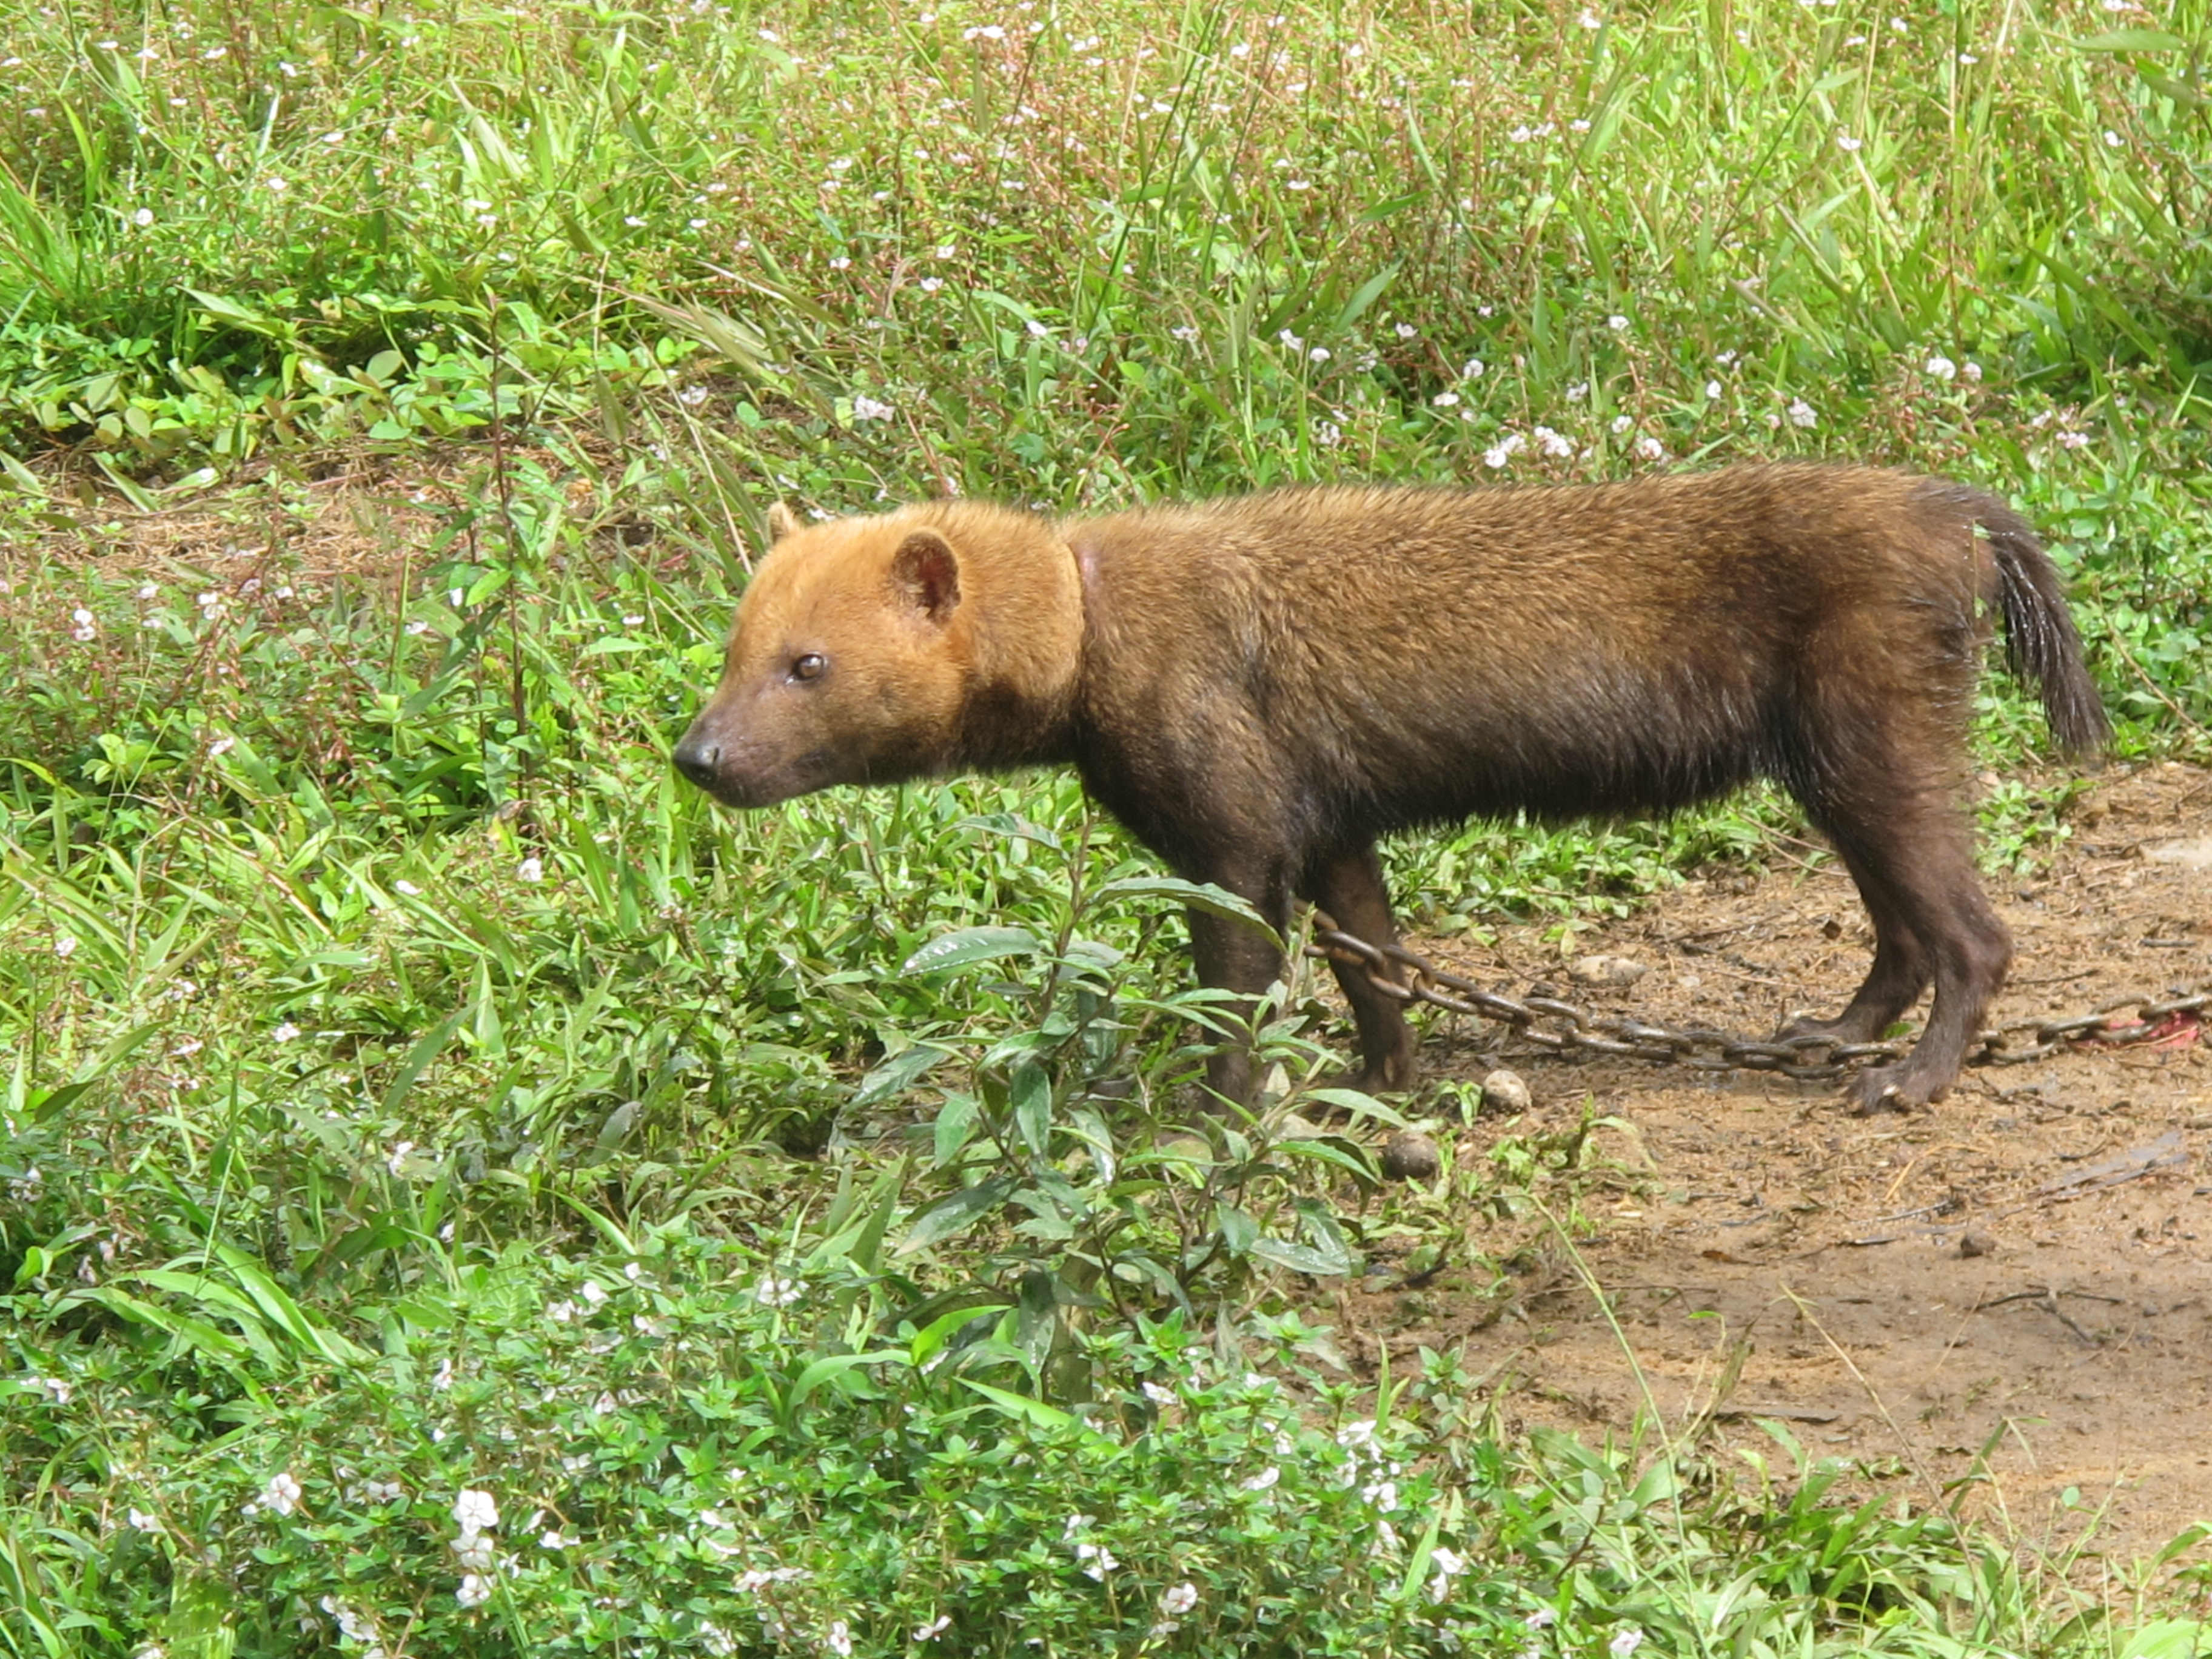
(2041, 645)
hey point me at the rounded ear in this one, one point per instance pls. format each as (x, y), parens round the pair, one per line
(926, 572)
(782, 522)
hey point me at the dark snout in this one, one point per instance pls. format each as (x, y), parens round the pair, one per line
(704, 755)
(738, 767)
(698, 757)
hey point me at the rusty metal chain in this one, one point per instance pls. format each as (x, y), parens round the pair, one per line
(1562, 1028)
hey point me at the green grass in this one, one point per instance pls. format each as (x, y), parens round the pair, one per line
(370, 988)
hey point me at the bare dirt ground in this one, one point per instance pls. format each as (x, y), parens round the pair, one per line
(2018, 1282)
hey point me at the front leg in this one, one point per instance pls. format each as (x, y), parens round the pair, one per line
(1233, 955)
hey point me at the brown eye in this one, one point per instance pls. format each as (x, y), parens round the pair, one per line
(809, 666)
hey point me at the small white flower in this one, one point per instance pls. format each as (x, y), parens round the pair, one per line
(408, 888)
(142, 217)
(1261, 1481)
(475, 1511)
(1972, 373)
(1616, 322)
(1408, 331)
(1290, 342)
(475, 1553)
(1037, 330)
(1097, 1561)
(1590, 19)
(1520, 135)
(57, 1389)
(1648, 448)
(1941, 368)
(1801, 413)
(66, 946)
(868, 409)
(840, 262)
(1625, 1643)
(2111, 138)
(281, 1495)
(1179, 1599)
(141, 1522)
(531, 869)
(1473, 369)
(840, 1640)
(222, 746)
(774, 1293)
(935, 1628)
(2073, 440)
(1845, 142)
(590, 1293)
(1318, 355)
(931, 284)
(1158, 1395)
(475, 1590)
(1558, 446)
(1445, 400)
(1578, 125)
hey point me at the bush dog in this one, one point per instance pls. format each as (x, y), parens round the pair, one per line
(1259, 687)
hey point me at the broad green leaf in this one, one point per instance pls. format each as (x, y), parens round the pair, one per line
(1033, 1411)
(836, 1364)
(932, 1338)
(967, 945)
(1299, 1258)
(898, 1073)
(955, 1213)
(1359, 1104)
(1198, 896)
(954, 1126)
(1029, 1093)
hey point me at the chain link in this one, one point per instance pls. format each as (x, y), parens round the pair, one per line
(1562, 1028)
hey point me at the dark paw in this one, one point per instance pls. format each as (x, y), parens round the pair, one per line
(1842, 1029)
(1385, 1076)
(1893, 1089)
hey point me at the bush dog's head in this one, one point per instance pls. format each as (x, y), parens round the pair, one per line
(869, 650)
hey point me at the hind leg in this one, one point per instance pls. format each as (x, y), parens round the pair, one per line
(1913, 861)
(1348, 885)
(1900, 972)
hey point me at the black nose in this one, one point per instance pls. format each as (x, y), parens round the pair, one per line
(697, 759)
